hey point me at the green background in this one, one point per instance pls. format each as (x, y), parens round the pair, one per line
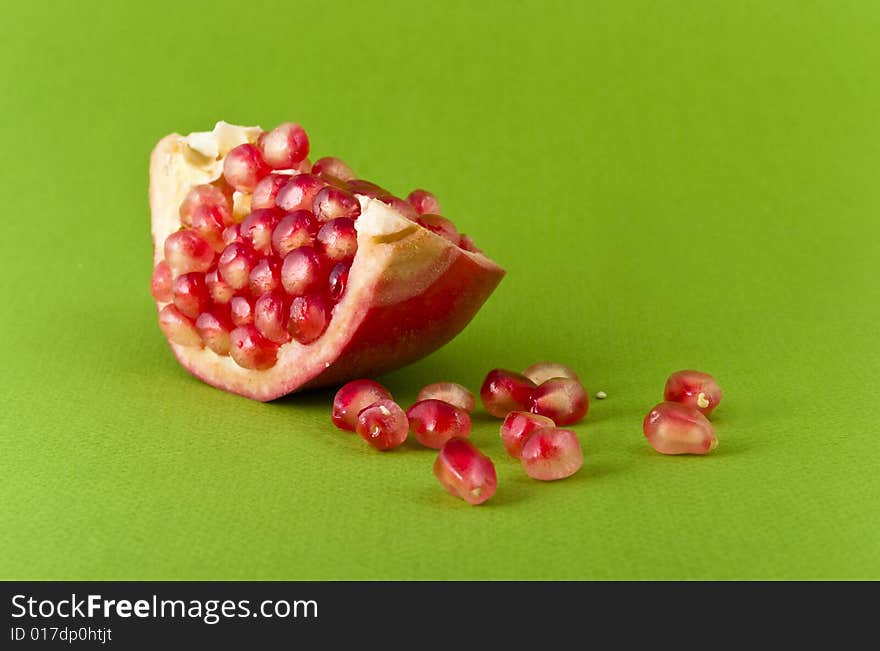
(668, 184)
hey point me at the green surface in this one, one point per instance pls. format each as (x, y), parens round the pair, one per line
(668, 184)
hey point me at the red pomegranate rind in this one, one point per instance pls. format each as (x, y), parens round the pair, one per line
(506, 391)
(695, 389)
(351, 398)
(433, 422)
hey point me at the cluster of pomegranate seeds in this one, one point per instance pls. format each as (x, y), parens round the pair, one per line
(680, 424)
(245, 289)
(547, 389)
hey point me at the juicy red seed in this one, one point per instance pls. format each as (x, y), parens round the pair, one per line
(505, 391)
(207, 221)
(351, 398)
(308, 318)
(552, 453)
(284, 146)
(305, 166)
(266, 191)
(695, 389)
(214, 328)
(185, 251)
(177, 328)
(221, 293)
(402, 207)
(433, 422)
(676, 428)
(205, 195)
(191, 294)
(338, 280)
(562, 399)
(330, 166)
(303, 271)
(366, 188)
(332, 203)
(517, 428)
(241, 311)
(160, 283)
(383, 424)
(450, 392)
(424, 202)
(270, 317)
(257, 228)
(251, 350)
(231, 234)
(338, 239)
(265, 276)
(467, 244)
(243, 167)
(441, 226)
(293, 231)
(235, 264)
(543, 371)
(465, 472)
(299, 193)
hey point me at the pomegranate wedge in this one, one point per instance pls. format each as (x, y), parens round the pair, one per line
(331, 302)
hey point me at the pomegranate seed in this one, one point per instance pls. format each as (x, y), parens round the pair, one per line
(244, 167)
(329, 166)
(305, 166)
(270, 317)
(338, 239)
(207, 222)
(332, 203)
(299, 193)
(543, 371)
(231, 235)
(241, 311)
(424, 202)
(383, 424)
(450, 392)
(205, 195)
(265, 276)
(402, 207)
(257, 228)
(505, 391)
(675, 428)
(552, 453)
(185, 251)
(220, 292)
(353, 397)
(303, 271)
(308, 318)
(338, 280)
(693, 388)
(191, 294)
(177, 328)
(467, 244)
(562, 399)
(284, 146)
(441, 226)
(160, 283)
(368, 189)
(465, 472)
(267, 190)
(517, 428)
(293, 231)
(251, 350)
(433, 422)
(235, 264)
(213, 327)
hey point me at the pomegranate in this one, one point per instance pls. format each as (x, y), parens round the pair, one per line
(694, 388)
(465, 472)
(322, 277)
(675, 428)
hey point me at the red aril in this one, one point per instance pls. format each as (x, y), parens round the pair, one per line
(368, 189)
(221, 293)
(214, 328)
(231, 235)
(401, 207)
(235, 264)
(383, 424)
(303, 271)
(256, 229)
(178, 328)
(351, 398)
(333, 167)
(207, 222)
(562, 399)
(244, 167)
(270, 317)
(442, 226)
(299, 193)
(191, 294)
(676, 428)
(424, 202)
(332, 203)
(695, 389)
(517, 427)
(265, 276)
(205, 196)
(185, 251)
(338, 239)
(506, 391)
(284, 146)
(267, 190)
(543, 371)
(433, 422)
(450, 392)
(241, 311)
(251, 350)
(337, 280)
(552, 453)
(308, 318)
(160, 283)
(295, 229)
(465, 472)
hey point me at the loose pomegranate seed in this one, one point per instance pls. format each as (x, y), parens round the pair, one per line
(465, 472)
(552, 453)
(424, 202)
(177, 328)
(338, 280)
(433, 422)
(191, 294)
(402, 207)
(305, 166)
(467, 244)
(185, 251)
(244, 167)
(383, 424)
(257, 228)
(562, 399)
(214, 328)
(270, 317)
(207, 222)
(265, 276)
(329, 166)
(231, 235)
(235, 265)
(293, 231)
(338, 239)
(206, 195)
(353, 397)
(160, 283)
(308, 318)
(693, 388)
(441, 226)
(675, 428)
(221, 293)
(450, 392)
(505, 391)
(303, 271)
(517, 428)
(251, 350)
(241, 311)
(267, 190)
(284, 146)
(368, 189)
(299, 193)
(543, 371)
(332, 203)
